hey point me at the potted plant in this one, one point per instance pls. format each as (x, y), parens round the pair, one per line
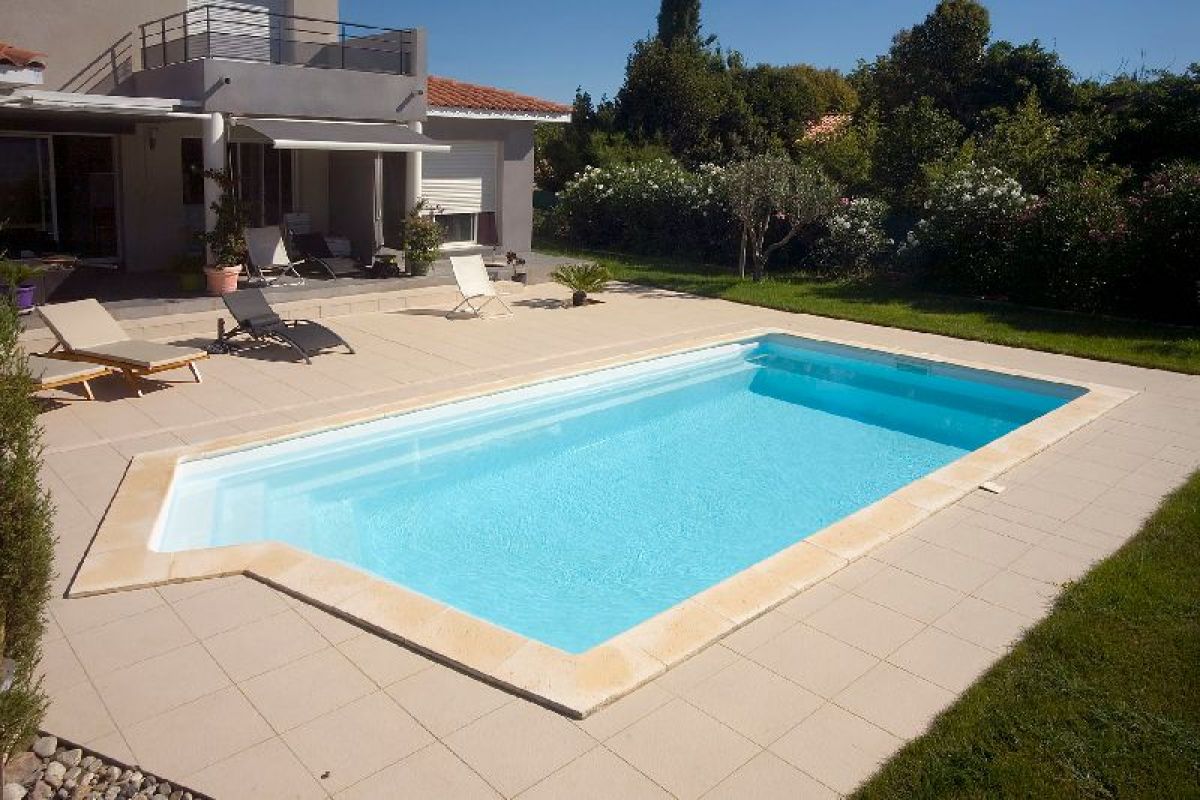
(16, 281)
(189, 268)
(227, 239)
(581, 279)
(517, 264)
(422, 240)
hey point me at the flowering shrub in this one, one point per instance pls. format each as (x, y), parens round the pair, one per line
(965, 238)
(1164, 217)
(856, 239)
(1071, 251)
(651, 207)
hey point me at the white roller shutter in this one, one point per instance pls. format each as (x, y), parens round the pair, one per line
(236, 28)
(462, 181)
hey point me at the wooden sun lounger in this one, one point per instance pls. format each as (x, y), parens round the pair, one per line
(88, 333)
(51, 373)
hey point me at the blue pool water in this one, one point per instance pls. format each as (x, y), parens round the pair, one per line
(572, 510)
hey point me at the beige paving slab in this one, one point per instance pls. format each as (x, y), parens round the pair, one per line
(321, 682)
(1018, 593)
(908, 594)
(943, 659)
(78, 713)
(445, 700)
(754, 701)
(242, 601)
(271, 642)
(76, 615)
(814, 660)
(620, 714)
(768, 777)
(682, 749)
(265, 770)
(382, 661)
(836, 747)
(187, 739)
(895, 700)
(160, 683)
(356, 741)
(866, 625)
(597, 775)
(129, 640)
(432, 773)
(987, 625)
(515, 763)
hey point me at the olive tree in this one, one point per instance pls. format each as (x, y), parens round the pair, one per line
(773, 194)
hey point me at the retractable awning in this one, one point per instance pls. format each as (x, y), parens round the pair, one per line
(303, 134)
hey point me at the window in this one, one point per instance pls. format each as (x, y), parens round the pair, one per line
(25, 183)
(262, 174)
(458, 228)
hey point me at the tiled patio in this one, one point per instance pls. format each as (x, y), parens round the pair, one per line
(240, 691)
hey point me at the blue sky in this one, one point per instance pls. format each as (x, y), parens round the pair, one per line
(548, 47)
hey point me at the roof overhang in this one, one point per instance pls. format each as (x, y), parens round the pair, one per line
(312, 134)
(29, 75)
(484, 113)
(43, 100)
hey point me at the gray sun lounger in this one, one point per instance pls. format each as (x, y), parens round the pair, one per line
(256, 319)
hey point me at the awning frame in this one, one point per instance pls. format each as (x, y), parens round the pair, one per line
(367, 142)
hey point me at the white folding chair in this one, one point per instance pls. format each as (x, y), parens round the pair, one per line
(267, 252)
(474, 284)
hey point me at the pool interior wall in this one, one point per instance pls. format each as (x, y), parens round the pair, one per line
(570, 511)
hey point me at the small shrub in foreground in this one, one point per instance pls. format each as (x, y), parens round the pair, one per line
(26, 546)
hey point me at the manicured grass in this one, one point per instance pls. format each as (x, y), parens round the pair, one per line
(1102, 699)
(1142, 344)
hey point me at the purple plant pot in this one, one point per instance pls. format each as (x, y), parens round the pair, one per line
(23, 297)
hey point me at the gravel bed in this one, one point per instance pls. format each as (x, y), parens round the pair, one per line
(54, 770)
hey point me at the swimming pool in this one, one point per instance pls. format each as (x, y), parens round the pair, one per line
(572, 510)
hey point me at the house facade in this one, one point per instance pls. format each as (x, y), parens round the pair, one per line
(325, 123)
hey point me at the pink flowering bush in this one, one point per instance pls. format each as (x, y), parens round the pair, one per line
(1164, 218)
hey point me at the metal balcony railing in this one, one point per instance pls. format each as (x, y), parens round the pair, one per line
(228, 31)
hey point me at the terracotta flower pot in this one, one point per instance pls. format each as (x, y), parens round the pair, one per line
(222, 280)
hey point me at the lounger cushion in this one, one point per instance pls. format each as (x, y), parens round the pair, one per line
(82, 323)
(47, 371)
(141, 355)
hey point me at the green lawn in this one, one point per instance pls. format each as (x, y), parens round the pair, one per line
(1102, 699)
(1126, 341)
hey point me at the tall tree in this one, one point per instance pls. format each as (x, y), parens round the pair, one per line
(679, 21)
(940, 58)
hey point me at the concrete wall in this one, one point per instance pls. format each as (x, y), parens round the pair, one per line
(154, 223)
(83, 39)
(515, 173)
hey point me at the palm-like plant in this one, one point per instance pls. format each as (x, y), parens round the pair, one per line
(582, 279)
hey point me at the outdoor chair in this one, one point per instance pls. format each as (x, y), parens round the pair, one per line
(315, 248)
(88, 333)
(51, 373)
(256, 319)
(267, 253)
(474, 285)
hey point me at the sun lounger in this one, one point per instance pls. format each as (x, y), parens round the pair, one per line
(314, 248)
(267, 253)
(474, 284)
(87, 332)
(256, 319)
(51, 373)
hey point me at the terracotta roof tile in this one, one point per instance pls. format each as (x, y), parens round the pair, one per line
(449, 93)
(13, 56)
(826, 126)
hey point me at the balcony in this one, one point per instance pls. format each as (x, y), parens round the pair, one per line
(222, 31)
(258, 63)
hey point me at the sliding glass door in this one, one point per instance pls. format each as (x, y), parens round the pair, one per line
(26, 197)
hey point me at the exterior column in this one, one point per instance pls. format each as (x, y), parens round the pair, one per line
(412, 174)
(214, 158)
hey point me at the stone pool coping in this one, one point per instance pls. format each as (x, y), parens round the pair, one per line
(120, 556)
